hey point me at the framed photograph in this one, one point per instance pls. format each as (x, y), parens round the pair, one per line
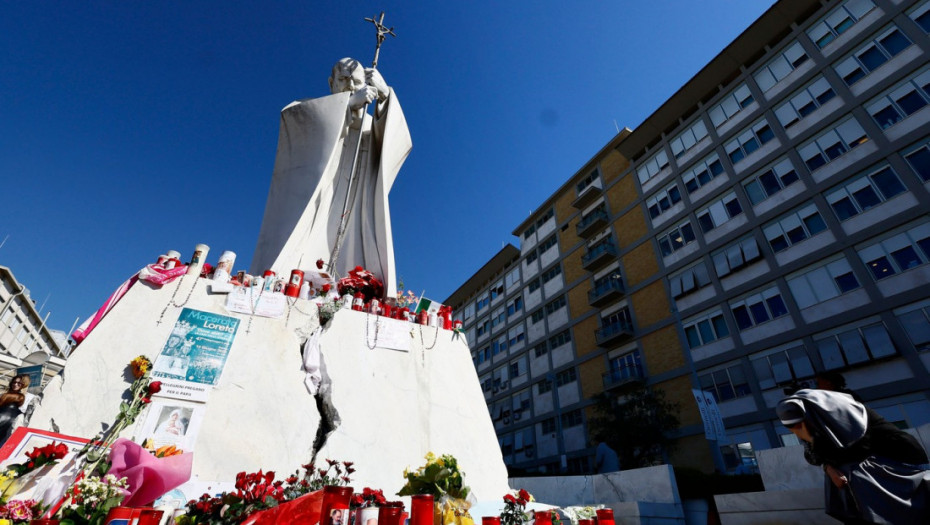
(24, 439)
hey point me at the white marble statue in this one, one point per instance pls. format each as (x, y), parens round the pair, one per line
(316, 145)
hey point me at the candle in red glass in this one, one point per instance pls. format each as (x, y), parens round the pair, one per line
(605, 517)
(543, 517)
(390, 515)
(421, 509)
(490, 520)
(334, 498)
(585, 522)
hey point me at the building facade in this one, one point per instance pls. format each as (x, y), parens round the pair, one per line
(27, 345)
(768, 223)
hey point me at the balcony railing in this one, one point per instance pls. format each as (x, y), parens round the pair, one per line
(606, 291)
(591, 222)
(598, 255)
(587, 195)
(613, 333)
(621, 376)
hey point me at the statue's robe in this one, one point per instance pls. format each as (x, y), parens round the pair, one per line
(316, 145)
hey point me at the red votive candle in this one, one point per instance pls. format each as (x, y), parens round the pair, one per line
(421, 509)
(605, 517)
(390, 515)
(543, 517)
(335, 498)
(585, 522)
(490, 520)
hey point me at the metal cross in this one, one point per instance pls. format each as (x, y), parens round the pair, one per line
(382, 30)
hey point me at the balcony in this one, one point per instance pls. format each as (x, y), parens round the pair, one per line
(599, 255)
(613, 333)
(592, 223)
(606, 291)
(587, 194)
(619, 377)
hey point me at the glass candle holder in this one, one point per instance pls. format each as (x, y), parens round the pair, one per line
(421, 509)
(605, 517)
(335, 498)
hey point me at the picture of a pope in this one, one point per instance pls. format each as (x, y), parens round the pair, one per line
(314, 180)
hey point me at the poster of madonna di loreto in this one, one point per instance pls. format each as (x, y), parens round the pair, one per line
(192, 359)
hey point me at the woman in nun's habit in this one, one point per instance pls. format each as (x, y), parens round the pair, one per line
(874, 472)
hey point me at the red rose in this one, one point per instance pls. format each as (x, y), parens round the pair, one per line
(326, 288)
(508, 498)
(319, 264)
(154, 387)
(525, 495)
(146, 400)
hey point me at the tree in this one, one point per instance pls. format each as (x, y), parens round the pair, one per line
(637, 424)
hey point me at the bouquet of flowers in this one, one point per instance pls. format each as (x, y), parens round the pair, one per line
(441, 477)
(361, 280)
(515, 508)
(39, 457)
(368, 498)
(21, 512)
(92, 498)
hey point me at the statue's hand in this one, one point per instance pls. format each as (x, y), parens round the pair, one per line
(375, 80)
(362, 97)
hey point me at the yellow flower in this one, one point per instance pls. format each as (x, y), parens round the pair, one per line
(140, 366)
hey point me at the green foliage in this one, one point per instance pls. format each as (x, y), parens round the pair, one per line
(440, 476)
(637, 426)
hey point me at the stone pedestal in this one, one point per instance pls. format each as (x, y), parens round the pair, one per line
(393, 406)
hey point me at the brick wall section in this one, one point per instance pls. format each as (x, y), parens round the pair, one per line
(578, 299)
(662, 351)
(571, 266)
(640, 264)
(612, 165)
(623, 193)
(679, 390)
(590, 374)
(630, 227)
(583, 334)
(650, 304)
(563, 205)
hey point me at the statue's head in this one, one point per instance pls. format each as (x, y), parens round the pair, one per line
(348, 75)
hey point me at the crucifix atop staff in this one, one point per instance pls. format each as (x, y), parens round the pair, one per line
(334, 168)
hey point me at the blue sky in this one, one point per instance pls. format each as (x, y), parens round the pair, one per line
(131, 128)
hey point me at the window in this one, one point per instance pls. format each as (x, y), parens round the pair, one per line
(498, 318)
(518, 368)
(548, 243)
(652, 166)
(626, 366)
(748, 141)
(515, 306)
(531, 257)
(529, 231)
(794, 228)
(484, 354)
(864, 192)
(899, 253)
(872, 55)
(498, 346)
(689, 280)
(572, 418)
(758, 308)
(731, 104)
(676, 238)
(784, 366)
(663, 200)
(469, 311)
(587, 181)
(705, 329)
(611, 281)
(537, 316)
(565, 377)
(816, 285)
(919, 159)
(534, 285)
(541, 349)
(719, 212)
(770, 181)
(688, 138)
(807, 100)
(901, 101)
(515, 335)
(921, 16)
(917, 325)
(779, 67)
(621, 319)
(544, 386)
(483, 302)
(555, 305)
(512, 278)
(551, 273)
(703, 172)
(858, 345)
(545, 217)
(548, 425)
(562, 338)
(728, 383)
(497, 290)
(736, 256)
(486, 382)
(483, 328)
(832, 143)
(838, 21)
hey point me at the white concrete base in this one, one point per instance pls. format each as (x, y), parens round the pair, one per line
(394, 406)
(779, 507)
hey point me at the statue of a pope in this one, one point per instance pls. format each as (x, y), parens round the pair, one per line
(316, 145)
